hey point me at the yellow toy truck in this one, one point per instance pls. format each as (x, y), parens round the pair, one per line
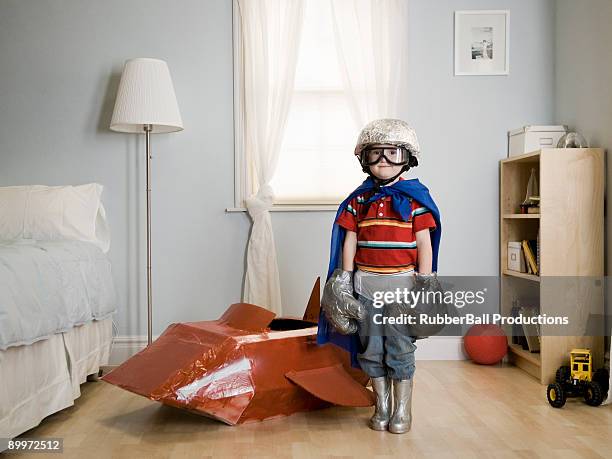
(578, 380)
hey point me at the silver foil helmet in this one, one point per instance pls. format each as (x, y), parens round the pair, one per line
(389, 131)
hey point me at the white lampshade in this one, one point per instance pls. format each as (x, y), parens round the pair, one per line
(146, 96)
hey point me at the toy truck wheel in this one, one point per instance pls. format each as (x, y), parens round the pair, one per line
(563, 374)
(555, 395)
(602, 377)
(593, 394)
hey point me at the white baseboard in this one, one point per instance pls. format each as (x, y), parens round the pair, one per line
(434, 348)
(125, 346)
(440, 348)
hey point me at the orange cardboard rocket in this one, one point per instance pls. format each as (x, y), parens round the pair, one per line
(245, 366)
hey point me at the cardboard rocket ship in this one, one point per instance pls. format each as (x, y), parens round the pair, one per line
(246, 366)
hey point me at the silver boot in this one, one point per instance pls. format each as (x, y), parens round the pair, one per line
(382, 412)
(402, 407)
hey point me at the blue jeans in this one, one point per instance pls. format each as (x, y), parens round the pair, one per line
(388, 350)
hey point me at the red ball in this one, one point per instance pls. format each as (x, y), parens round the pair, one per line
(485, 344)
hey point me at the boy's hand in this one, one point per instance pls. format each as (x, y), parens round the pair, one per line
(339, 305)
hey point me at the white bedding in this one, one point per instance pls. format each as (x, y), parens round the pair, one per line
(49, 287)
(54, 213)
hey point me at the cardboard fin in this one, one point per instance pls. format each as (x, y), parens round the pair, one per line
(332, 384)
(311, 314)
(248, 317)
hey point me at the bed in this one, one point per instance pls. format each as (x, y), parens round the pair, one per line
(56, 306)
(57, 300)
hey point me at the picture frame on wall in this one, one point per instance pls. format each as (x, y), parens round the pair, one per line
(482, 42)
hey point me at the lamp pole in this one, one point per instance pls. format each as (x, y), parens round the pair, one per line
(148, 128)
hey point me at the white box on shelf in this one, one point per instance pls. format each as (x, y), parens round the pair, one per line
(531, 138)
(516, 260)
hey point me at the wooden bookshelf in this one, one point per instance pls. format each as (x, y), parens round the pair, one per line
(571, 231)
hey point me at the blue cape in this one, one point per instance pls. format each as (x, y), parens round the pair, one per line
(399, 192)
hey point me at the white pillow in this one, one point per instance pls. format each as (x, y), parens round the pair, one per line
(49, 213)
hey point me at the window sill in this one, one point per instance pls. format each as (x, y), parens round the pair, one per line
(293, 208)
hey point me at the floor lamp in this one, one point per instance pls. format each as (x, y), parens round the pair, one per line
(146, 104)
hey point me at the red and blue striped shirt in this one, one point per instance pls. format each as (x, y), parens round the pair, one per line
(385, 243)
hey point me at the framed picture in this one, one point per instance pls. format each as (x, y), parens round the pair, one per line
(482, 40)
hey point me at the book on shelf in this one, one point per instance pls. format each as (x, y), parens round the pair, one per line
(535, 250)
(533, 245)
(538, 250)
(528, 266)
(529, 256)
(531, 332)
(518, 336)
(529, 271)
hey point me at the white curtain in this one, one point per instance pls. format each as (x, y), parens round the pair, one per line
(270, 33)
(372, 44)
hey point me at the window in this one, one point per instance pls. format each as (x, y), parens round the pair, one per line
(316, 164)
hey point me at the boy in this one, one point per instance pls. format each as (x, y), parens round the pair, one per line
(387, 231)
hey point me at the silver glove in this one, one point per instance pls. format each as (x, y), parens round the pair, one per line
(339, 305)
(418, 282)
(427, 282)
(431, 306)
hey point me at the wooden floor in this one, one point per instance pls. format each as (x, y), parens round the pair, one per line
(460, 410)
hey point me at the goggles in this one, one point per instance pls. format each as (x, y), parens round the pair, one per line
(397, 156)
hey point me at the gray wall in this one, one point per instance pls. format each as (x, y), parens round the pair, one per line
(60, 68)
(60, 65)
(583, 79)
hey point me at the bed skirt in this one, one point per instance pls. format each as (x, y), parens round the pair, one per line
(45, 377)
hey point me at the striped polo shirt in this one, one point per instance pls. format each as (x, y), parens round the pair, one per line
(385, 243)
